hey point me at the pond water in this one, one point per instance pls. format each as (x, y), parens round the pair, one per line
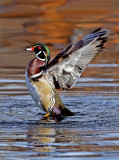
(93, 132)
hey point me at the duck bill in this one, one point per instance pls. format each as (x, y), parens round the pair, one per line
(30, 49)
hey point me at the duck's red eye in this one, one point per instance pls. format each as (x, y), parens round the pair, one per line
(39, 47)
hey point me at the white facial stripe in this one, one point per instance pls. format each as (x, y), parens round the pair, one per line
(40, 53)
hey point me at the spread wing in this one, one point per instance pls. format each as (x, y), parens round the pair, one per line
(68, 65)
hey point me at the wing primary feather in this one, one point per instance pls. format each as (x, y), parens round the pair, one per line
(92, 36)
(98, 29)
(68, 65)
(84, 41)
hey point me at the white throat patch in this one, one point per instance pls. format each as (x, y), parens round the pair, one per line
(37, 55)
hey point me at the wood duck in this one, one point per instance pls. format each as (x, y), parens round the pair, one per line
(44, 77)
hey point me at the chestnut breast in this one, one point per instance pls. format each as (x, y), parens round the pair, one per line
(34, 67)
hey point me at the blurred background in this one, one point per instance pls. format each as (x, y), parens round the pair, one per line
(57, 24)
(93, 133)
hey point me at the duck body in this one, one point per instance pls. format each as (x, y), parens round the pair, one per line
(44, 77)
(43, 91)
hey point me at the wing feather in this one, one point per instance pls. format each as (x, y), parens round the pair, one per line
(68, 65)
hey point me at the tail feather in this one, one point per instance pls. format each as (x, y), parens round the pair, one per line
(61, 111)
(66, 112)
(59, 108)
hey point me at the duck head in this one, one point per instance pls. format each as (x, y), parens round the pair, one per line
(42, 52)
